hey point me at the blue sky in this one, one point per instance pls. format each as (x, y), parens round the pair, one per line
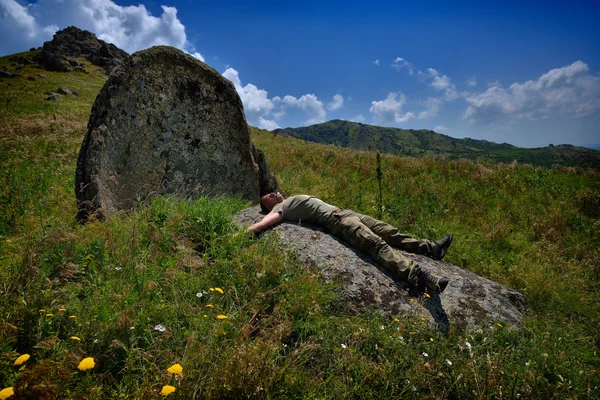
(521, 72)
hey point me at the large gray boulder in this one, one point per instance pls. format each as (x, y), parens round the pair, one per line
(165, 123)
(468, 302)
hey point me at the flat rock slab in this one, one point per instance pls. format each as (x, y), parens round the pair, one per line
(469, 300)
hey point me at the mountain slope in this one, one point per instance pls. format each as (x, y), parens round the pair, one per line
(426, 143)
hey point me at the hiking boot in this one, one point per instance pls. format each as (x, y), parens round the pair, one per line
(442, 247)
(422, 278)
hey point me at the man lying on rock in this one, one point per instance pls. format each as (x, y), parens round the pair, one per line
(367, 234)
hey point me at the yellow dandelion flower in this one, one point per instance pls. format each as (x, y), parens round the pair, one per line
(86, 363)
(412, 300)
(22, 359)
(209, 306)
(167, 390)
(427, 295)
(72, 316)
(176, 369)
(6, 393)
(396, 320)
(422, 319)
(500, 325)
(62, 309)
(212, 289)
(218, 289)
(221, 332)
(205, 316)
(42, 310)
(221, 316)
(75, 338)
(49, 315)
(431, 339)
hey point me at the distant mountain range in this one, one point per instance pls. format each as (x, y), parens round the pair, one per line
(426, 143)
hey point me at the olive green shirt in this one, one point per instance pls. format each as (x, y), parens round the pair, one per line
(303, 208)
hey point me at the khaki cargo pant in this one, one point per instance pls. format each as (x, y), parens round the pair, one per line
(376, 239)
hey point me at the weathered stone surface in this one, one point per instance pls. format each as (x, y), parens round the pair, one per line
(66, 91)
(58, 54)
(164, 123)
(52, 96)
(267, 182)
(468, 301)
(7, 74)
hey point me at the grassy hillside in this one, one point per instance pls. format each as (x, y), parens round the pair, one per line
(141, 291)
(424, 143)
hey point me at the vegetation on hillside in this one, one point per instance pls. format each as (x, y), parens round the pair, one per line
(171, 282)
(425, 143)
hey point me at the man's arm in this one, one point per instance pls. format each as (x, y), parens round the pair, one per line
(269, 220)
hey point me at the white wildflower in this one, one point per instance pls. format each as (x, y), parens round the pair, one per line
(198, 295)
(160, 328)
(425, 354)
(448, 362)
(344, 346)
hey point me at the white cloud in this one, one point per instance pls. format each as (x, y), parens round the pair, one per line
(267, 124)
(130, 28)
(376, 62)
(336, 103)
(471, 81)
(389, 111)
(433, 107)
(198, 56)
(263, 112)
(568, 91)
(399, 63)
(451, 93)
(440, 82)
(256, 101)
(358, 118)
(310, 104)
(279, 114)
(440, 128)
(495, 83)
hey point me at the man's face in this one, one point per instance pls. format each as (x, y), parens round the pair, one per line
(271, 199)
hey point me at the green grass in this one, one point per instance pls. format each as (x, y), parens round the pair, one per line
(286, 335)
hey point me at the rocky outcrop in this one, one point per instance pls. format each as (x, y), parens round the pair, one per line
(69, 43)
(469, 300)
(166, 123)
(267, 182)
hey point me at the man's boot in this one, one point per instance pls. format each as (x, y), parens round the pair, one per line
(422, 278)
(442, 247)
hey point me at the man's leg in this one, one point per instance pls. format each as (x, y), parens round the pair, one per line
(349, 227)
(398, 240)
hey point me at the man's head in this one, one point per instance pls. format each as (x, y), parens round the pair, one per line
(268, 201)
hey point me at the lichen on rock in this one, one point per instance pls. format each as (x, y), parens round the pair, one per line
(164, 123)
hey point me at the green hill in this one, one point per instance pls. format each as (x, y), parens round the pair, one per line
(138, 291)
(425, 143)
